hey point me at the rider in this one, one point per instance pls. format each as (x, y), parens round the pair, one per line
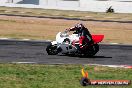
(84, 35)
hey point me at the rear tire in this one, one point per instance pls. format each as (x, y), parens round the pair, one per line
(52, 50)
(96, 46)
(92, 50)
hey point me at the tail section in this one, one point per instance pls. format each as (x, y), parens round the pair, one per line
(97, 38)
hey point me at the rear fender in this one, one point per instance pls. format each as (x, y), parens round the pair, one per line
(97, 38)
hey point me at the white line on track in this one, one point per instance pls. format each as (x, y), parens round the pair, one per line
(114, 43)
(24, 62)
(4, 38)
(113, 66)
(26, 39)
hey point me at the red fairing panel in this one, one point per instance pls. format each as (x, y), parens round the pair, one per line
(97, 38)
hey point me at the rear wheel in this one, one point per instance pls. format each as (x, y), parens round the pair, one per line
(92, 50)
(52, 49)
(96, 48)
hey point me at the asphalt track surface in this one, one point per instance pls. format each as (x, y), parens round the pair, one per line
(12, 51)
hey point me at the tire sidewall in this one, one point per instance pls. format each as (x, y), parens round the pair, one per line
(50, 49)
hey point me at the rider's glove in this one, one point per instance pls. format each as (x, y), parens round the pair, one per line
(67, 30)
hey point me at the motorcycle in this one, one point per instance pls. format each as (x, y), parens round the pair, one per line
(68, 45)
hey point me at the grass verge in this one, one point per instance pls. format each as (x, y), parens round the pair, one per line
(56, 76)
(69, 14)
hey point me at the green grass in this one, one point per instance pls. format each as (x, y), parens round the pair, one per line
(56, 76)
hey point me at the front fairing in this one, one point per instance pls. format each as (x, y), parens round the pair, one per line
(60, 37)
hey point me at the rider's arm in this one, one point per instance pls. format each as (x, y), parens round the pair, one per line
(71, 29)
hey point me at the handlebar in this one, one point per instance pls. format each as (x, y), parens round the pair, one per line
(64, 34)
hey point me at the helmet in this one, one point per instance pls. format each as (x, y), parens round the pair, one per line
(79, 26)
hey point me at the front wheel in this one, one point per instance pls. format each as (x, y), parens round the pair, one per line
(52, 49)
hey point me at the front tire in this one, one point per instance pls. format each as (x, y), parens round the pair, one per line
(52, 50)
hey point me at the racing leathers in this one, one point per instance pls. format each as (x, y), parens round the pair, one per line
(84, 35)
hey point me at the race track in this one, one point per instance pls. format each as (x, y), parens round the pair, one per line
(12, 51)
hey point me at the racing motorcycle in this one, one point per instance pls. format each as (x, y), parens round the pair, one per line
(68, 44)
